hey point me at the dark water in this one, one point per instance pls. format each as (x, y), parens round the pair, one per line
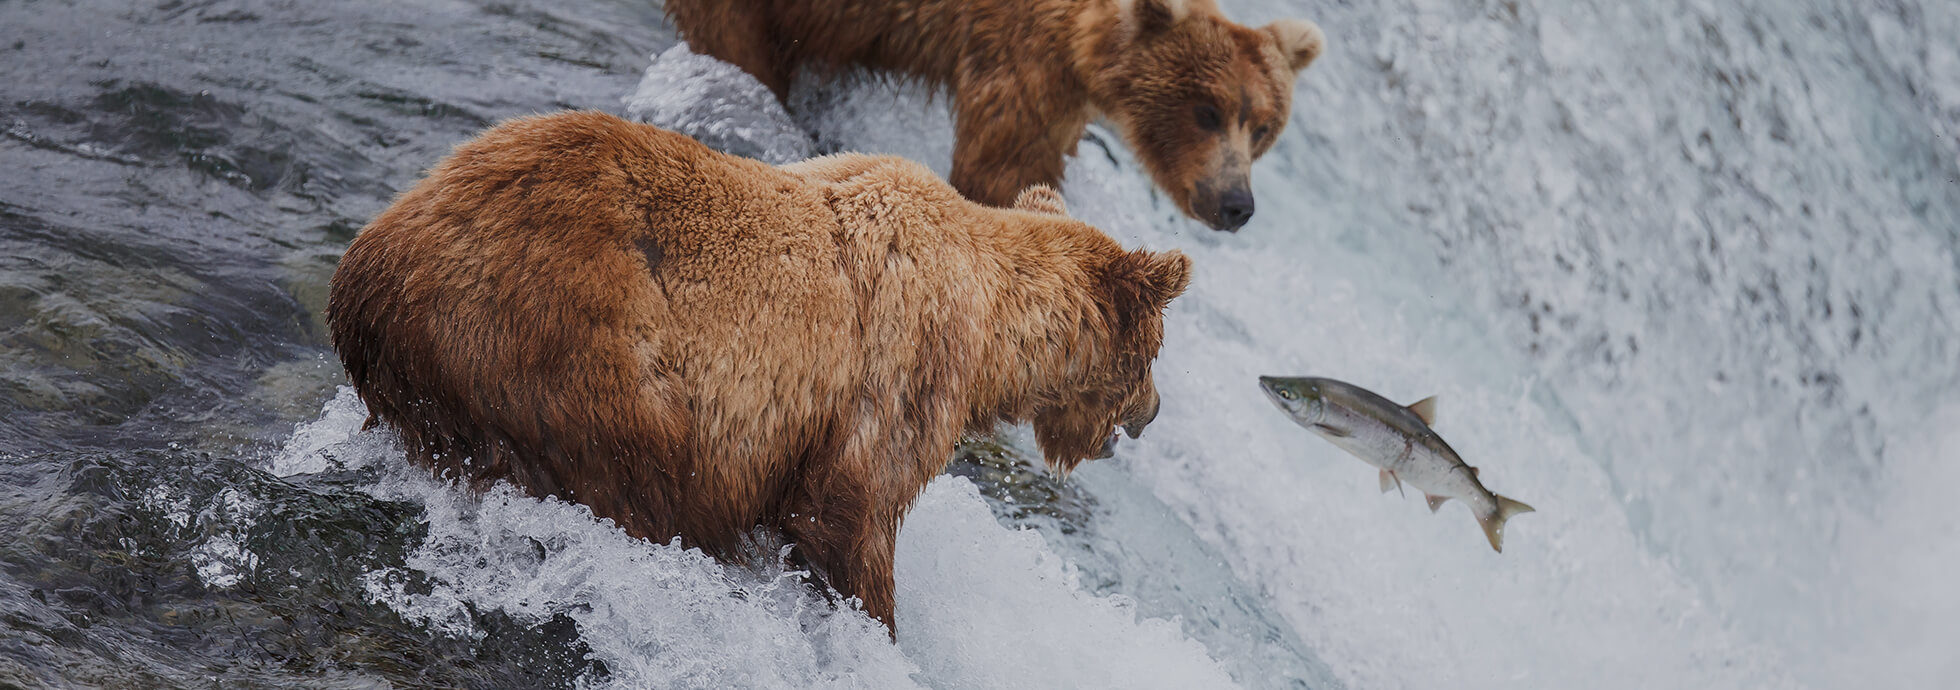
(177, 180)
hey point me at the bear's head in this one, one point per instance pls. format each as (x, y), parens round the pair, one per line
(1199, 97)
(1109, 384)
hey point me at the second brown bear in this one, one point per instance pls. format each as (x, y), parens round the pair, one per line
(1197, 96)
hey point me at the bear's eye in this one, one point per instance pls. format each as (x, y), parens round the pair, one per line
(1208, 118)
(1259, 135)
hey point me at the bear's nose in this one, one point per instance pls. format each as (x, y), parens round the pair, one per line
(1234, 209)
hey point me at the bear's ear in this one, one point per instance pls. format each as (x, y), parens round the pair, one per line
(1299, 40)
(1041, 198)
(1167, 274)
(1150, 279)
(1148, 17)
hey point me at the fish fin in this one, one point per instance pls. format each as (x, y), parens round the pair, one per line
(1331, 431)
(1389, 481)
(1426, 409)
(1494, 525)
(1473, 471)
(1435, 502)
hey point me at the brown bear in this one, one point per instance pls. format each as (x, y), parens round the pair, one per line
(1197, 96)
(694, 344)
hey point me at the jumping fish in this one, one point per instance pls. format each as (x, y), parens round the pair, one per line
(1395, 438)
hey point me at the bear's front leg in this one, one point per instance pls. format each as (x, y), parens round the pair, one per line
(739, 32)
(847, 534)
(1006, 139)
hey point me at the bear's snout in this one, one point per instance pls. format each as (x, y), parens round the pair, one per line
(1142, 415)
(1234, 209)
(1224, 201)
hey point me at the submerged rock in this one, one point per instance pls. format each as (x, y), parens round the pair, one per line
(1019, 488)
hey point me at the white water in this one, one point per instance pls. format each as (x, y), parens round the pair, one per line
(1683, 274)
(980, 605)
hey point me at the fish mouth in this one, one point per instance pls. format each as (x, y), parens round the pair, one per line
(1267, 385)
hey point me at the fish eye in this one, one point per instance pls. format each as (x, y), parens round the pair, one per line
(1208, 118)
(1288, 393)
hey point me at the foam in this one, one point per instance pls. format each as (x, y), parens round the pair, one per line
(980, 605)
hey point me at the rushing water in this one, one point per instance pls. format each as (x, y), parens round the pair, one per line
(1684, 275)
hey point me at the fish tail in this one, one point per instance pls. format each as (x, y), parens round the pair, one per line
(1494, 524)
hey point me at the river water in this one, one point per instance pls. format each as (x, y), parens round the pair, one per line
(1683, 274)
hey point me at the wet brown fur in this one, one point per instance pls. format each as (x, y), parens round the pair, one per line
(1028, 75)
(694, 344)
